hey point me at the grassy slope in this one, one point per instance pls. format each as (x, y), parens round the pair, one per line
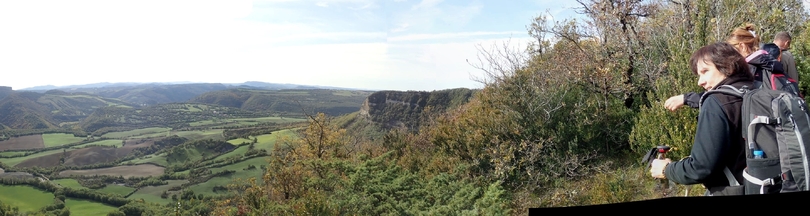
(239, 176)
(136, 132)
(159, 159)
(267, 141)
(116, 189)
(58, 139)
(25, 197)
(88, 208)
(152, 193)
(69, 183)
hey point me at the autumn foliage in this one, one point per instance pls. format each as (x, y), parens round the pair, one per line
(563, 122)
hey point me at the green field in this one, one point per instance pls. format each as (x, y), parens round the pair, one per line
(238, 141)
(116, 189)
(206, 134)
(152, 193)
(136, 132)
(58, 139)
(246, 121)
(242, 175)
(68, 183)
(191, 108)
(26, 198)
(238, 167)
(207, 188)
(159, 159)
(110, 142)
(17, 160)
(180, 155)
(238, 151)
(88, 208)
(267, 141)
(12, 154)
(254, 121)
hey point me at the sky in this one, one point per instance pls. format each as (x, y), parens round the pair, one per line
(401, 45)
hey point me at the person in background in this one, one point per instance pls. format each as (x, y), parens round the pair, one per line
(746, 42)
(782, 39)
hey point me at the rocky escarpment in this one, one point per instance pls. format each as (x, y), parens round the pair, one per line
(409, 109)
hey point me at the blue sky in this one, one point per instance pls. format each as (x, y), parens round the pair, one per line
(369, 44)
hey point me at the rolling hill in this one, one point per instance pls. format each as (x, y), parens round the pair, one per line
(157, 93)
(32, 110)
(330, 102)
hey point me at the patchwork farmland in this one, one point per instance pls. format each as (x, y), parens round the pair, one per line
(158, 155)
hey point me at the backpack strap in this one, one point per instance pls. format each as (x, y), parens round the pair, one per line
(761, 182)
(755, 54)
(731, 180)
(725, 89)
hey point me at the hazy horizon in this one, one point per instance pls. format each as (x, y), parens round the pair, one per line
(364, 44)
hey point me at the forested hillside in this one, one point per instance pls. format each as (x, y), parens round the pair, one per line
(288, 101)
(151, 94)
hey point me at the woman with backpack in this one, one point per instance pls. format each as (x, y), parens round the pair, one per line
(746, 42)
(718, 145)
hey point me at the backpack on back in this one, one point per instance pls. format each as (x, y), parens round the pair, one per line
(777, 123)
(775, 80)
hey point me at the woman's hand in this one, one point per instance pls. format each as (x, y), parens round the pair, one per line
(674, 102)
(657, 168)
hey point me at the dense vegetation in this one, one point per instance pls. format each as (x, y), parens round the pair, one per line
(563, 122)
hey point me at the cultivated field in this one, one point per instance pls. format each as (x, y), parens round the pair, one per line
(159, 159)
(236, 152)
(68, 183)
(193, 135)
(58, 139)
(207, 188)
(245, 121)
(152, 193)
(17, 160)
(86, 207)
(267, 141)
(240, 175)
(257, 161)
(116, 189)
(22, 142)
(136, 132)
(27, 198)
(78, 157)
(140, 170)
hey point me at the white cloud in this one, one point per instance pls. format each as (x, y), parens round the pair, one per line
(322, 4)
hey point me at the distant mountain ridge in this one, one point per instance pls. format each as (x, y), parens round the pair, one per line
(247, 84)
